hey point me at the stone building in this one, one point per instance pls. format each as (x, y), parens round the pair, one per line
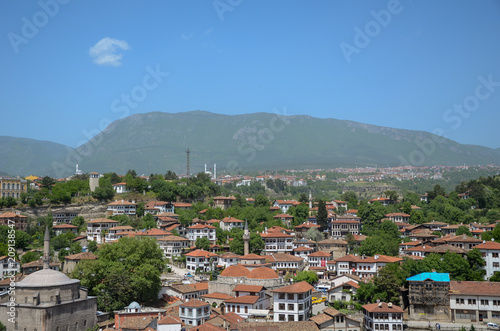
(12, 187)
(429, 296)
(48, 300)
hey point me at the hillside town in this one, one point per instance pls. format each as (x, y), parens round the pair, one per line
(109, 252)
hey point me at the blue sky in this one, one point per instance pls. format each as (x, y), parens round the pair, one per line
(403, 64)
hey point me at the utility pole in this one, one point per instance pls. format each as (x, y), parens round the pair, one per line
(187, 164)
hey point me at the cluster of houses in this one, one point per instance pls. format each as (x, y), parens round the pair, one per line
(252, 288)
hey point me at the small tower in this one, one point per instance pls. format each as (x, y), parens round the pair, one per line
(93, 181)
(46, 249)
(187, 162)
(246, 240)
(310, 200)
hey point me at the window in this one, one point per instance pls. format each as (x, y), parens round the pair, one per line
(496, 264)
(291, 306)
(301, 306)
(238, 309)
(290, 296)
(494, 254)
(291, 318)
(496, 302)
(485, 302)
(471, 301)
(246, 309)
(281, 296)
(281, 306)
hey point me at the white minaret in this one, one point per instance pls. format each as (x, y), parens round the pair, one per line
(215, 171)
(246, 240)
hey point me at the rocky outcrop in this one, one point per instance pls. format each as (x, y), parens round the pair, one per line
(88, 211)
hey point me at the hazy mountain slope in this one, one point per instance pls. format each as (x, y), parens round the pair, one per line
(23, 156)
(156, 142)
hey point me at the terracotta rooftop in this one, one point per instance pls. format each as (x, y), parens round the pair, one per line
(321, 318)
(252, 257)
(277, 326)
(202, 226)
(475, 288)
(201, 253)
(248, 288)
(65, 226)
(236, 270)
(248, 299)
(282, 257)
(320, 254)
(232, 219)
(262, 273)
(194, 303)
(489, 245)
(168, 319)
(300, 287)
(102, 220)
(382, 307)
(81, 256)
(172, 238)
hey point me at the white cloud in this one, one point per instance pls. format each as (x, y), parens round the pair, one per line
(106, 51)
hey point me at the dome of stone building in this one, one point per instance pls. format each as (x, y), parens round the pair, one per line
(262, 273)
(236, 270)
(134, 305)
(46, 277)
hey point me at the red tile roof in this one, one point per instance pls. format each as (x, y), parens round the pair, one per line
(382, 307)
(262, 273)
(299, 287)
(194, 303)
(236, 270)
(201, 253)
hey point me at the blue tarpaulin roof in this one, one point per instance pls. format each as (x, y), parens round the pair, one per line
(435, 276)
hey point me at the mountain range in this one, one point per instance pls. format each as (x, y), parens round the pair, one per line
(156, 142)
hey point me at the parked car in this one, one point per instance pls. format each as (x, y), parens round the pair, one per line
(492, 326)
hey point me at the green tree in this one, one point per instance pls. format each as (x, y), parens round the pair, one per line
(261, 201)
(202, 243)
(463, 229)
(476, 264)
(314, 234)
(322, 217)
(306, 275)
(103, 193)
(149, 221)
(78, 221)
(170, 175)
(30, 256)
(92, 247)
(126, 270)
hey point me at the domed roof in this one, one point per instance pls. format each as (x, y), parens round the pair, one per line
(262, 273)
(134, 305)
(46, 277)
(236, 270)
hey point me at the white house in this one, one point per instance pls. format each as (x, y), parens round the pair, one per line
(249, 300)
(228, 223)
(228, 259)
(491, 255)
(121, 208)
(117, 232)
(194, 312)
(9, 267)
(293, 302)
(201, 230)
(173, 245)
(318, 259)
(200, 260)
(277, 242)
(474, 301)
(158, 207)
(120, 188)
(96, 229)
(170, 323)
(343, 292)
(382, 316)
